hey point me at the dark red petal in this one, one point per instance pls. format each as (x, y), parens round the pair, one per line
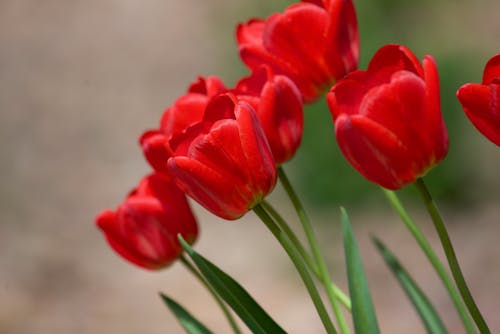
(437, 134)
(394, 57)
(186, 111)
(212, 190)
(298, 37)
(475, 100)
(280, 113)
(250, 32)
(209, 86)
(346, 95)
(342, 52)
(373, 150)
(153, 145)
(259, 159)
(492, 69)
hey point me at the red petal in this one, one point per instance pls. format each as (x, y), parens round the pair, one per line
(342, 51)
(281, 115)
(492, 69)
(374, 151)
(212, 190)
(259, 159)
(475, 100)
(153, 145)
(298, 37)
(394, 57)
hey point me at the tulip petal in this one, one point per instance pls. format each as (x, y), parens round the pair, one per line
(281, 115)
(153, 145)
(437, 136)
(394, 57)
(257, 152)
(475, 100)
(209, 188)
(298, 37)
(491, 70)
(373, 150)
(343, 52)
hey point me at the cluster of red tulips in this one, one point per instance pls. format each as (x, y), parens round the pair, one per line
(225, 148)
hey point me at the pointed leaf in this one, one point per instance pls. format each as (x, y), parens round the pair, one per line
(363, 313)
(190, 323)
(257, 320)
(422, 304)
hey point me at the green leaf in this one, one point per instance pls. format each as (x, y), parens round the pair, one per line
(190, 323)
(257, 320)
(423, 306)
(363, 313)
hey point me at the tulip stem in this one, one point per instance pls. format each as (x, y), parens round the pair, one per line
(308, 230)
(433, 259)
(339, 294)
(294, 255)
(220, 302)
(451, 256)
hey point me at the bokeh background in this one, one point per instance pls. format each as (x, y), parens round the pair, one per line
(81, 80)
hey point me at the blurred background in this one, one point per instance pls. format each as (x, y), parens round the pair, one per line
(81, 80)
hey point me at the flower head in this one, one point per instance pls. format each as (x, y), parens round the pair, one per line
(313, 42)
(388, 121)
(144, 228)
(224, 162)
(481, 102)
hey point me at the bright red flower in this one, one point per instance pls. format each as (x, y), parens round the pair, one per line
(388, 120)
(186, 111)
(144, 228)
(481, 102)
(313, 42)
(224, 162)
(278, 104)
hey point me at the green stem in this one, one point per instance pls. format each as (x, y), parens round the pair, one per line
(299, 265)
(323, 270)
(433, 259)
(222, 305)
(451, 256)
(339, 294)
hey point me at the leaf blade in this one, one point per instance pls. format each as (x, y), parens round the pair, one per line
(421, 303)
(363, 312)
(249, 311)
(190, 324)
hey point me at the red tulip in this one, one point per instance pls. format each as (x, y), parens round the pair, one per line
(278, 104)
(144, 228)
(481, 102)
(186, 111)
(313, 42)
(388, 121)
(224, 162)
